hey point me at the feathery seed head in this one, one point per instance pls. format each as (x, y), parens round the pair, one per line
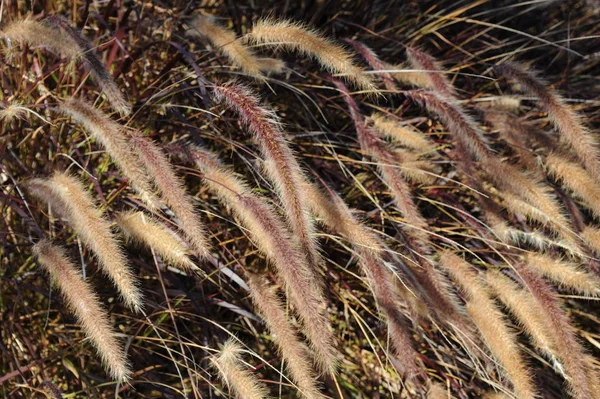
(233, 372)
(84, 303)
(297, 37)
(68, 196)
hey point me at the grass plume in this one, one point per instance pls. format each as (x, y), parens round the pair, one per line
(275, 242)
(375, 63)
(583, 381)
(172, 191)
(97, 69)
(298, 37)
(84, 303)
(144, 229)
(233, 372)
(57, 33)
(567, 122)
(567, 275)
(76, 205)
(225, 41)
(524, 308)
(296, 357)
(281, 165)
(432, 70)
(491, 323)
(113, 137)
(403, 135)
(577, 179)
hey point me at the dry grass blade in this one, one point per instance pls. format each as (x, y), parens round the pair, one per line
(296, 357)
(491, 323)
(224, 39)
(69, 197)
(273, 239)
(297, 37)
(82, 301)
(568, 123)
(233, 372)
(144, 229)
(111, 135)
(281, 165)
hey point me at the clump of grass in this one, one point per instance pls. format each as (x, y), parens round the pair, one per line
(306, 41)
(66, 194)
(84, 303)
